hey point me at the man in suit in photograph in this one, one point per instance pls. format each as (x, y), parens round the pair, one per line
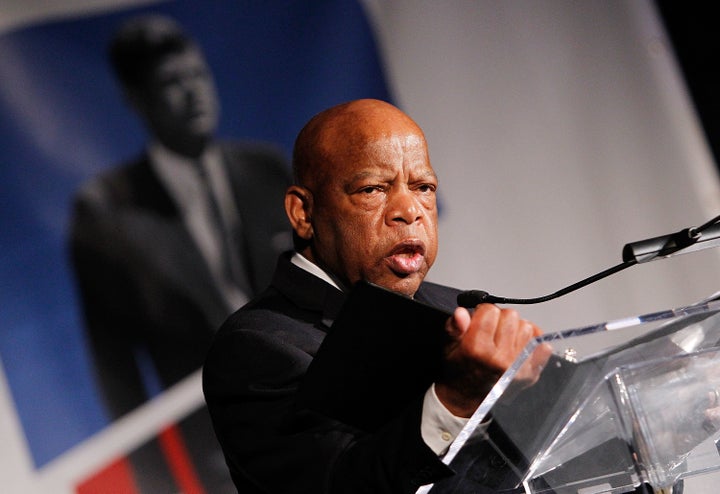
(165, 246)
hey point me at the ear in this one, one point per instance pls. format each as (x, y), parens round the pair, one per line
(298, 207)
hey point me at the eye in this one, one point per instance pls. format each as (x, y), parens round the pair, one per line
(427, 187)
(370, 189)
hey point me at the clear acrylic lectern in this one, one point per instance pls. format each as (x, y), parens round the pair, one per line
(618, 405)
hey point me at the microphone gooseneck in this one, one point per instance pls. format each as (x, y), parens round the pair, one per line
(471, 298)
(687, 240)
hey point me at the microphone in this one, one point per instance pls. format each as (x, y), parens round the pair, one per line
(682, 242)
(687, 240)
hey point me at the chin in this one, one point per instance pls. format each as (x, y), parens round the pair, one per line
(406, 286)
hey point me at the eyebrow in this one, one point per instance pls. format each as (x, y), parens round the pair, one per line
(363, 175)
(429, 173)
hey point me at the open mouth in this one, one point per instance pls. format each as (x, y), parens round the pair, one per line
(406, 257)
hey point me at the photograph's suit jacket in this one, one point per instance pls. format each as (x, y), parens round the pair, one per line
(144, 284)
(148, 298)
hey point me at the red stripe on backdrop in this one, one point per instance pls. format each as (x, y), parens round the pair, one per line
(178, 459)
(116, 478)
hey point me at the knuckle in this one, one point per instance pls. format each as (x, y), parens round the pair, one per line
(511, 313)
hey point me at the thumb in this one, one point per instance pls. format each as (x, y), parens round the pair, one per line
(458, 323)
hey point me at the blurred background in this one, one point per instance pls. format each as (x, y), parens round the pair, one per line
(560, 131)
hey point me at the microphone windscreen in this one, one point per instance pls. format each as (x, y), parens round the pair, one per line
(471, 298)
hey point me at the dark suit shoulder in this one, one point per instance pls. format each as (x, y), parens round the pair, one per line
(271, 320)
(130, 184)
(268, 309)
(255, 158)
(264, 345)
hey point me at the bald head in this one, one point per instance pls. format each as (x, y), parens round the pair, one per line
(342, 131)
(363, 204)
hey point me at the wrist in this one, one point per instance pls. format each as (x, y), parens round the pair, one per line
(456, 401)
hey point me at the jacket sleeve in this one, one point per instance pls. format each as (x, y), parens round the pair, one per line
(108, 302)
(251, 379)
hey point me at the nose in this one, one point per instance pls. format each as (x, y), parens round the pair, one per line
(403, 207)
(194, 85)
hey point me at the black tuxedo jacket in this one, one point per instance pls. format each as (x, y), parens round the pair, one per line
(272, 445)
(146, 291)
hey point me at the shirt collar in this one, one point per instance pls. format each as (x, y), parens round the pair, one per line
(304, 263)
(159, 153)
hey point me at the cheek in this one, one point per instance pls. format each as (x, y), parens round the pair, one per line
(174, 100)
(206, 89)
(358, 239)
(360, 243)
(433, 234)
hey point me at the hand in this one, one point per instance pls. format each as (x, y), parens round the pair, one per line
(482, 347)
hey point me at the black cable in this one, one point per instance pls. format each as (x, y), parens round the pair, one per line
(471, 298)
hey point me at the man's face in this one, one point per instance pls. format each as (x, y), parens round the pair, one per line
(180, 101)
(374, 216)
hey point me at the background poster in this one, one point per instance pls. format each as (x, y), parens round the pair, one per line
(560, 132)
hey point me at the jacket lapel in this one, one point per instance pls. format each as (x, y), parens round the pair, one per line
(307, 291)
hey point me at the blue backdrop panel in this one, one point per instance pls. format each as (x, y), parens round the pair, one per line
(64, 120)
